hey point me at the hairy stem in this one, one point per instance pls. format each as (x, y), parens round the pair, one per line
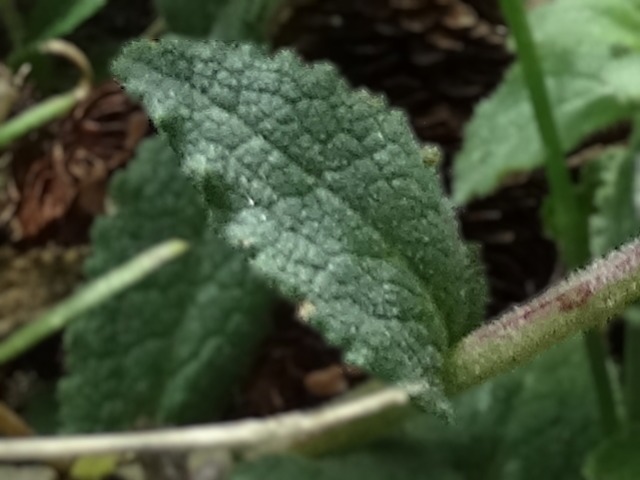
(570, 222)
(585, 300)
(90, 296)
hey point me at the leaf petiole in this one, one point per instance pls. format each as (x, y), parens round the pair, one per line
(585, 300)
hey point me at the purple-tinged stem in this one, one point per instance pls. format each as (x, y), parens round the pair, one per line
(587, 299)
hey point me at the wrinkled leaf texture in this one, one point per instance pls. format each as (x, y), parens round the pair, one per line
(172, 349)
(326, 189)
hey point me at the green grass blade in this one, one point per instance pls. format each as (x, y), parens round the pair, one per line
(93, 294)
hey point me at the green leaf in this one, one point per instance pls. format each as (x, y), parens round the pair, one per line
(592, 84)
(52, 19)
(584, 100)
(327, 189)
(614, 221)
(222, 19)
(617, 458)
(588, 24)
(622, 74)
(191, 17)
(246, 20)
(171, 349)
(536, 422)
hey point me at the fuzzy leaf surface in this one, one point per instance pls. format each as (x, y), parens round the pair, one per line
(171, 349)
(51, 19)
(614, 220)
(326, 189)
(592, 84)
(536, 422)
(617, 458)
